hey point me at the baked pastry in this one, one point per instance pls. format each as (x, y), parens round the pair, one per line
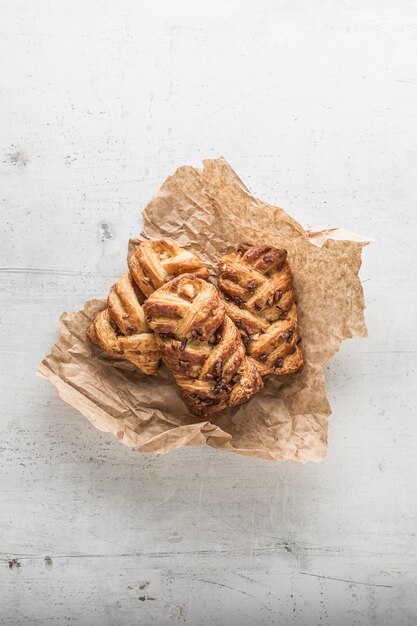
(256, 285)
(201, 345)
(121, 330)
(158, 260)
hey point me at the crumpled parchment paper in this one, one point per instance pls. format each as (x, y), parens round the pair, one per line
(210, 211)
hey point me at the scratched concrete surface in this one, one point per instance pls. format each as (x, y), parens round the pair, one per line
(314, 104)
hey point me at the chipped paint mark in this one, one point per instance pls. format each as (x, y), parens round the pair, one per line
(48, 562)
(16, 157)
(145, 585)
(69, 159)
(106, 232)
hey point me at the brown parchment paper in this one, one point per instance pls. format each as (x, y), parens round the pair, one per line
(209, 211)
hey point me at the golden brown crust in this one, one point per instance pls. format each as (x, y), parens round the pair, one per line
(121, 330)
(158, 260)
(201, 345)
(259, 297)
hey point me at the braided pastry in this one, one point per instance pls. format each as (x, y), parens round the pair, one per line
(259, 297)
(158, 260)
(121, 330)
(201, 345)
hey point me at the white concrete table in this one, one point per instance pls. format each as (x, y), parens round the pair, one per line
(314, 105)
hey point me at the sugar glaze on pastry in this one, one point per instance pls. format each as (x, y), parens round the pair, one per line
(257, 288)
(121, 330)
(158, 260)
(201, 345)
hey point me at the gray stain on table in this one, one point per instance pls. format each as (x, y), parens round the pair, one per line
(16, 157)
(106, 231)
